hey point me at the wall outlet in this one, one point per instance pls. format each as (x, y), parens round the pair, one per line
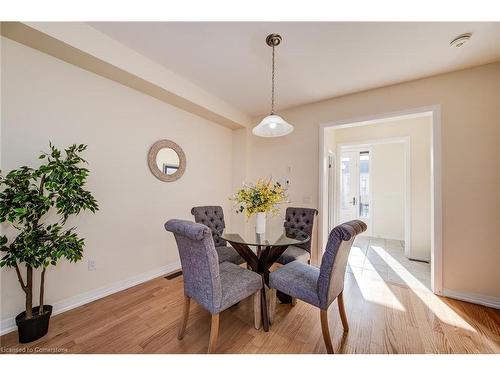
(91, 265)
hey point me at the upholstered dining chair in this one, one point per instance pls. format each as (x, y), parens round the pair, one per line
(321, 286)
(214, 286)
(303, 220)
(213, 217)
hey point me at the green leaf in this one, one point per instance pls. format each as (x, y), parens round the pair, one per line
(26, 196)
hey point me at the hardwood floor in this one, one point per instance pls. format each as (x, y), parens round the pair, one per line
(383, 318)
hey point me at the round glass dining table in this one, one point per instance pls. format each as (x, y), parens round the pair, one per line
(261, 251)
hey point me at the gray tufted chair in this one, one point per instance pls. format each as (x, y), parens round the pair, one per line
(213, 217)
(321, 286)
(214, 286)
(301, 219)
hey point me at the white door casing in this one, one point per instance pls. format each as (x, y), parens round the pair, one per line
(434, 112)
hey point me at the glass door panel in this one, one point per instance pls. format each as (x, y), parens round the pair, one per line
(348, 186)
(354, 186)
(364, 185)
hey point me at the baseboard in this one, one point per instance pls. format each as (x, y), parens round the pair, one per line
(478, 299)
(9, 324)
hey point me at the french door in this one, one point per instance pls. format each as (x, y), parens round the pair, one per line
(354, 190)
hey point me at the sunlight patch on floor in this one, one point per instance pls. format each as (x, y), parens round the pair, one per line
(382, 294)
(436, 305)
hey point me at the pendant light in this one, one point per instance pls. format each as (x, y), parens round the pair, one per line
(272, 125)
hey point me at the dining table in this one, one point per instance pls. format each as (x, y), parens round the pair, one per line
(261, 251)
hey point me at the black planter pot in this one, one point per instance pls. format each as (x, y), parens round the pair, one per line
(32, 329)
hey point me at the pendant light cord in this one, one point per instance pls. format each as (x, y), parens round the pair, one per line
(272, 90)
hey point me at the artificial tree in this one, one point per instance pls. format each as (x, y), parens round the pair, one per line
(37, 203)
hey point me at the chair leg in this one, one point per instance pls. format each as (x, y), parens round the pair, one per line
(294, 301)
(343, 316)
(257, 317)
(326, 331)
(184, 319)
(214, 334)
(272, 305)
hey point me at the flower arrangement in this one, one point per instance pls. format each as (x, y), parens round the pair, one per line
(263, 196)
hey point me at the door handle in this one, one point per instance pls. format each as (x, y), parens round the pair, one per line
(353, 201)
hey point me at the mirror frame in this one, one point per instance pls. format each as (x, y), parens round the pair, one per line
(153, 152)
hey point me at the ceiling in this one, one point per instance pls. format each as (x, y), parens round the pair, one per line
(315, 61)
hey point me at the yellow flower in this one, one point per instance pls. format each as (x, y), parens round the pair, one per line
(263, 196)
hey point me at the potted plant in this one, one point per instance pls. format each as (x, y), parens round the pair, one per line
(260, 198)
(37, 203)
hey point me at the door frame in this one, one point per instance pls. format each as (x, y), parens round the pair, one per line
(368, 144)
(434, 111)
(332, 180)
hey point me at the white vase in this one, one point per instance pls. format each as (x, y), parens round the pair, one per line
(260, 223)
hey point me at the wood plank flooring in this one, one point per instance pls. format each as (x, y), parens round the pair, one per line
(383, 318)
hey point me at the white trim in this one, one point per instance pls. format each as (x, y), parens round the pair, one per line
(380, 118)
(407, 172)
(9, 324)
(322, 202)
(479, 299)
(332, 180)
(436, 204)
(436, 193)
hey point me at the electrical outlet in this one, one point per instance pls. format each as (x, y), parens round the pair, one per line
(91, 265)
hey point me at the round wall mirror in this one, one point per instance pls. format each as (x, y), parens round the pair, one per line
(166, 160)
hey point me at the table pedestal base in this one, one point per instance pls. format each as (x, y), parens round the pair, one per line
(284, 298)
(260, 262)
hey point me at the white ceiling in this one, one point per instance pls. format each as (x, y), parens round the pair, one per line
(316, 61)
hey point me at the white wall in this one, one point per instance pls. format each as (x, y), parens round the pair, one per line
(470, 125)
(46, 99)
(388, 183)
(387, 205)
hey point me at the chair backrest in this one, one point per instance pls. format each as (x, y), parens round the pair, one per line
(212, 217)
(303, 220)
(200, 263)
(334, 262)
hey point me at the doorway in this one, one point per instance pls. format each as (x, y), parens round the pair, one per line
(372, 183)
(353, 192)
(349, 168)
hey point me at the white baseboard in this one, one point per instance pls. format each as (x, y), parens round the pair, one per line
(478, 299)
(9, 324)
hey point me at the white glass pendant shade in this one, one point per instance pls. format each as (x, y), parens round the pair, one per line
(272, 126)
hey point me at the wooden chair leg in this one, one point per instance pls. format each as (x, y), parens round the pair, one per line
(272, 305)
(214, 334)
(257, 317)
(326, 331)
(343, 316)
(294, 301)
(184, 319)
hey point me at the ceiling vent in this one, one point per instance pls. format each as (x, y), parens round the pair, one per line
(460, 40)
